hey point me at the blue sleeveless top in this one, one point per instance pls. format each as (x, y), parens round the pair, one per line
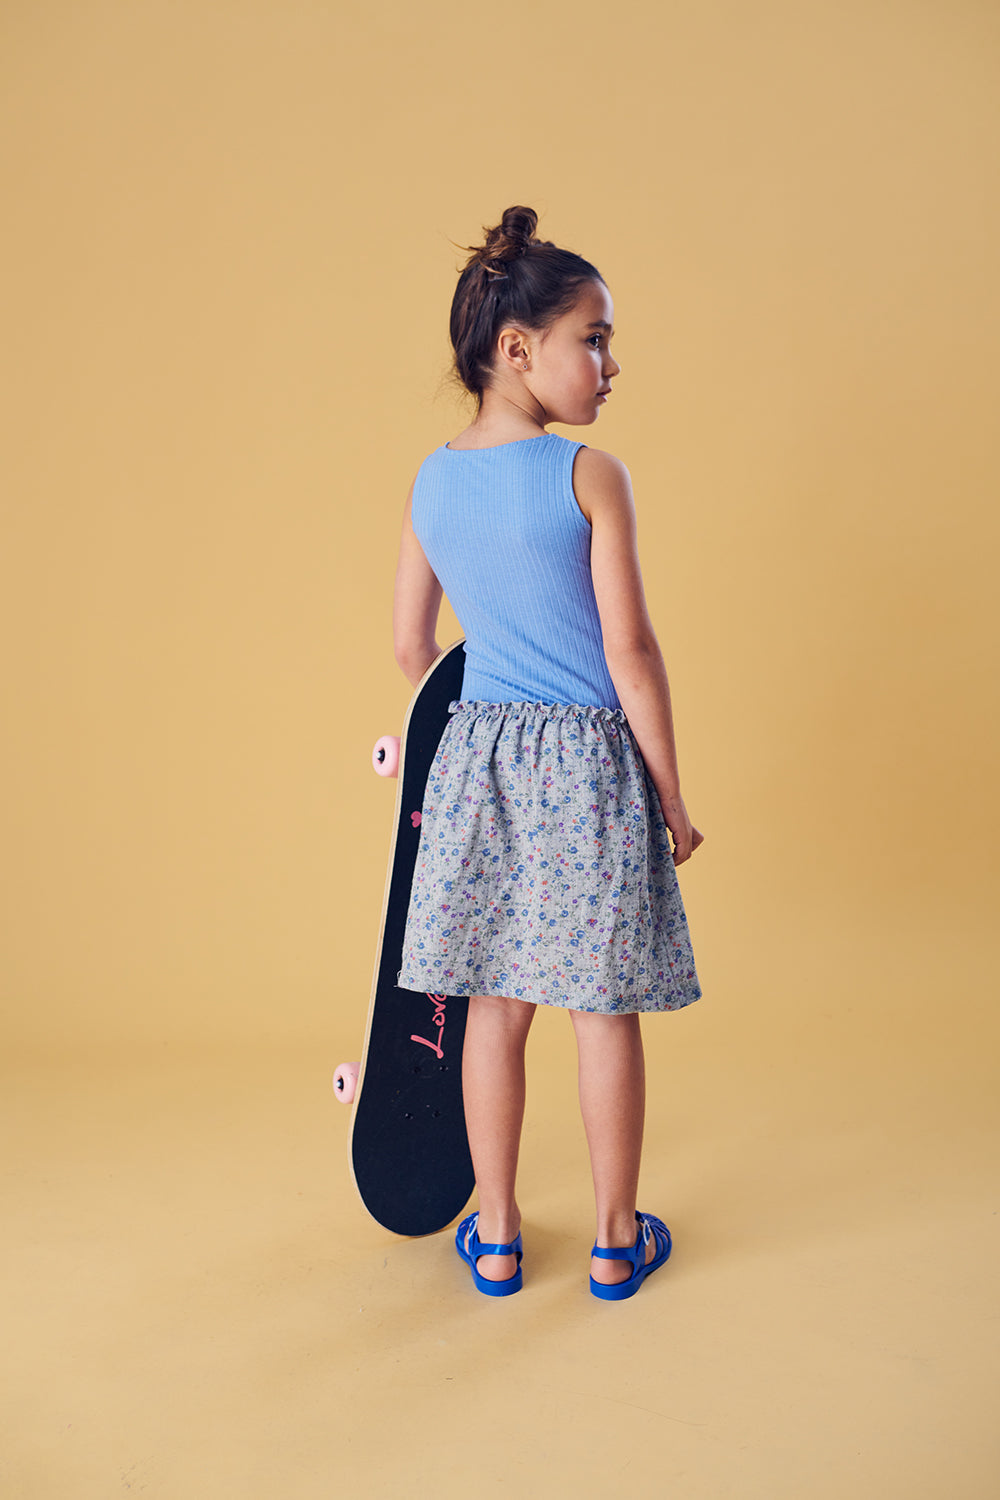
(509, 545)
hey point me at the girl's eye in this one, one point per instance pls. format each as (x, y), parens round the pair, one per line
(595, 339)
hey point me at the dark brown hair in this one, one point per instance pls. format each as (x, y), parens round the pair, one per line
(512, 279)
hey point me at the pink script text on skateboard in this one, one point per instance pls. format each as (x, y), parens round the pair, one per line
(438, 1002)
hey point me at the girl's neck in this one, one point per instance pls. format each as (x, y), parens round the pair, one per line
(499, 420)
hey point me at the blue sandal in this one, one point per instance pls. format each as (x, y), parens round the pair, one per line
(649, 1228)
(476, 1248)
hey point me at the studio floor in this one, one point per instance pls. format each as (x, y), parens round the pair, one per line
(197, 1305)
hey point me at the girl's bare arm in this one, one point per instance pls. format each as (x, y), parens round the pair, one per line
(415, 605)
(604, 493)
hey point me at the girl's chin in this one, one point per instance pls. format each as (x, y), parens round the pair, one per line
(583, 417)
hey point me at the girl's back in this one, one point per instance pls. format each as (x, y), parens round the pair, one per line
(502, 530)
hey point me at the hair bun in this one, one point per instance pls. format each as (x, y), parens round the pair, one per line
(507, 240)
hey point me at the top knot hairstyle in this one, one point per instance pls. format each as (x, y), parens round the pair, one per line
(511, 279)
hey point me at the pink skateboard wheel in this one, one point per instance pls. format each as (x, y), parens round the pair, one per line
(385, 756)
(345, 1081)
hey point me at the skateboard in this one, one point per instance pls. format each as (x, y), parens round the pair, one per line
(409, 1152)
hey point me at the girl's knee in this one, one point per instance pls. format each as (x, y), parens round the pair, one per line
(502, 1010)
(598, 1029)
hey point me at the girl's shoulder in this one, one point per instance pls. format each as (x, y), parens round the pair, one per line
(600, 479)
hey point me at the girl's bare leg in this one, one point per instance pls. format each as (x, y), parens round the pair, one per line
(493, 1086)
(613, 1104)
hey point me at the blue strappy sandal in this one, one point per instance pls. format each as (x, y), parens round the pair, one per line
(477, 1248)
(649, 1228)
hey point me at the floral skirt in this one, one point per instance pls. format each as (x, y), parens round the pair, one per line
(545, 870)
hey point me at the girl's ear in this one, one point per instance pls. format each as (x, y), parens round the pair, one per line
(512, 347)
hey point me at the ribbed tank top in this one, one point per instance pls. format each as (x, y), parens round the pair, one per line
(511, 548)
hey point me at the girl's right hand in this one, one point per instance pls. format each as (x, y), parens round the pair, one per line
(683, 832)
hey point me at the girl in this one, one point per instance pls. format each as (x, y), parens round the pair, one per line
(545, 874)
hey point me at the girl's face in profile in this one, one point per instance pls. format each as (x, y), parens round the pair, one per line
(570, 365)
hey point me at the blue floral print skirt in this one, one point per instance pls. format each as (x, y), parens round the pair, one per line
(545, 870)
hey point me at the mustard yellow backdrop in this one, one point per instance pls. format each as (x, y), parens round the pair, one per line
(228, 270)
(229, 249)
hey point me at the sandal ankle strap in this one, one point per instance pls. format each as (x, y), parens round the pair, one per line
(514, 1248)
(476, 1248)
(634, 1254)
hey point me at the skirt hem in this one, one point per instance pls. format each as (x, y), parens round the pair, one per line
(626, 1008)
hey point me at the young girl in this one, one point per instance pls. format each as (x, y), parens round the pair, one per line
(545, 874)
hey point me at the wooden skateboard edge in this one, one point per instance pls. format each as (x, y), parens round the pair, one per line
(389, 866)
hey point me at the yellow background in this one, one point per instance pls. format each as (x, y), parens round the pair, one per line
(229, 255)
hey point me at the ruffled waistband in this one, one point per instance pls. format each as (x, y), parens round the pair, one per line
(492, 712)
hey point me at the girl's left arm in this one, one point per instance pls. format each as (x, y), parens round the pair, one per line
(416, 603)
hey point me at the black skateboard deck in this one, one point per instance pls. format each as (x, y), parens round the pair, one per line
(408, 1147)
